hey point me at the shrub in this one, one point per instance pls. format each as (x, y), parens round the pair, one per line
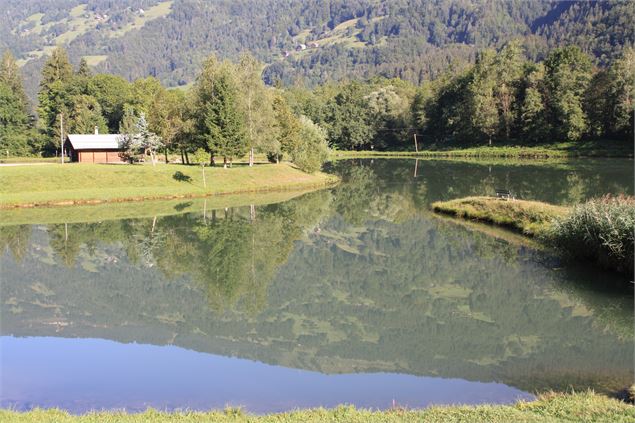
(312, 150)
(602, 229)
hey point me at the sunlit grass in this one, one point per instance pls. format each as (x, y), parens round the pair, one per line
(57, 184)
(528, 217)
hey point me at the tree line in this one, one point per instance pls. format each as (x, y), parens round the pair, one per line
(501, 98)
(229, 112)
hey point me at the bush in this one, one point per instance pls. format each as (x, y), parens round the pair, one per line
(312, 150)
(602, 229)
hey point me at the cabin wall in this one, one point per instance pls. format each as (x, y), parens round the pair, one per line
(99, 156)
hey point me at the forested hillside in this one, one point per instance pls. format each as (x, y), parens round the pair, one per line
(308, 41)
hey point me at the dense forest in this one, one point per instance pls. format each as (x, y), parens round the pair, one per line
(485, 73)
(304, 41)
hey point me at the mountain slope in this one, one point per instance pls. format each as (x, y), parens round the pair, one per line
(308, 40)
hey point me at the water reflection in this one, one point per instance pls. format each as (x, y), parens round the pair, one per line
(358, 279)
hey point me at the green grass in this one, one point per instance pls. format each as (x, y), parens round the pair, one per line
(32, 160)
(552, 407)
(531, 218)
(75, 183)
(595, 148)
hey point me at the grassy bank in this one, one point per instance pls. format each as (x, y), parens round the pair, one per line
(587, 407)
(56, 184)
(597, 148)
(528, 217)
(599, 230)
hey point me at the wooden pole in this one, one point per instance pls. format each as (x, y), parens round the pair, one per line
(416, 166)
(416, 146)
(204, 181)
(62, 135)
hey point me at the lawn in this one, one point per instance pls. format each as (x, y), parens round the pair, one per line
(587, 407)
(76, 183)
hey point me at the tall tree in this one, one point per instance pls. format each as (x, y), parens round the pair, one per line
(288, 127)
(13, 123)
(55, 96)
(146, 140)
(508, 66)
(348, 119)
(112, 92)
(85, 116)
(567, 76)
(533, 123)
(484, 113)
(256, 107)
(622, 94)
(11, 76)
(219, 123)
(169, 118)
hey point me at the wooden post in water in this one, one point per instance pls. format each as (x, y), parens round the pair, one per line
(416, 145)
(416, 166)
(205, 211)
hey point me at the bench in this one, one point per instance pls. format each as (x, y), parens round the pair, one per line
(505, 194)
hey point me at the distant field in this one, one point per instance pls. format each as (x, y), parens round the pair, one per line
(79, 22)
(77, 183)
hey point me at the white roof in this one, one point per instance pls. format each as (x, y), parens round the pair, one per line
(90, 141)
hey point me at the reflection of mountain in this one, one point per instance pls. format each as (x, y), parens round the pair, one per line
(422, 297)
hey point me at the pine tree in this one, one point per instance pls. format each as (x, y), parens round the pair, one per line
(11, 76)
(55, 96)
(85, 116)
(145, 140)
(219, 123)
(83, 70)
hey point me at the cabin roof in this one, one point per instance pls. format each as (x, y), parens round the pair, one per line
(94, 142)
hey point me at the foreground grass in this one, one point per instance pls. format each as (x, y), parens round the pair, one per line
(596, 148)
(587, 407)
(77, 183)
(528, 217)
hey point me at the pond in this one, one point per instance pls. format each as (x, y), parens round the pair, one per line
(356, 294)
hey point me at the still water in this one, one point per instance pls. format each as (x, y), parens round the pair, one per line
(357, 295)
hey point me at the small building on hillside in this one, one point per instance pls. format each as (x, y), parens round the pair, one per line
(94, 148)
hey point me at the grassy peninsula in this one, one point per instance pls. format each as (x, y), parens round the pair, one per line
(552, 407)
(68, 184)
(600, 230)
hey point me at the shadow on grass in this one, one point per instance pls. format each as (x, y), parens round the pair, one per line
(182, 177)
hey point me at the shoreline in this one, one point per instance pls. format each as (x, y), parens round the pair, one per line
(567, 150)
(101, 184)
(548, 407)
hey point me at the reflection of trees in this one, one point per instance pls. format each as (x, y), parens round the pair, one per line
(15, 239)
(232, 254)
